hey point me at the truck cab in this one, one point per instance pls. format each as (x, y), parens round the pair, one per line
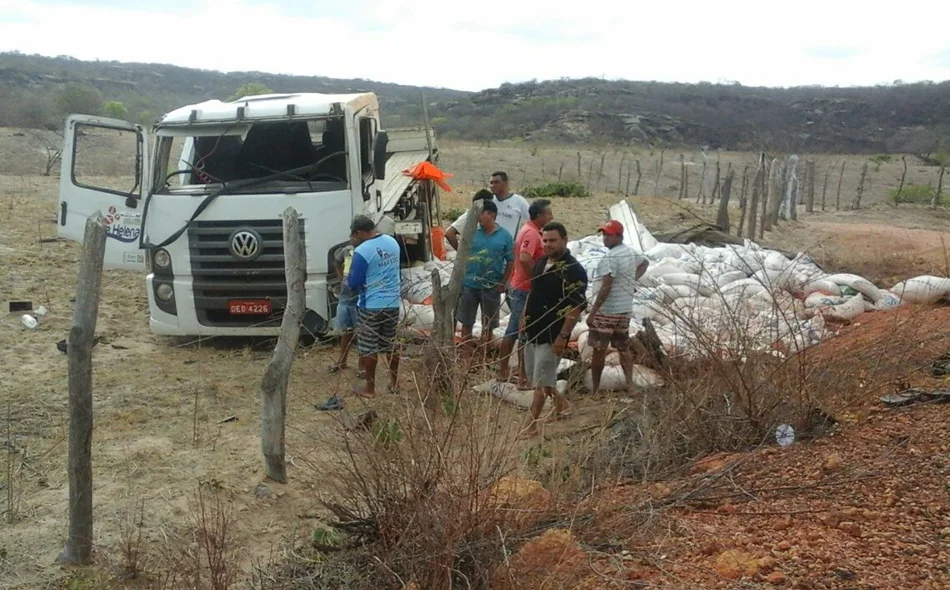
(195, 202)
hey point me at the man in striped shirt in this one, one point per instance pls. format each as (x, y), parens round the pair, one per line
(609, 319)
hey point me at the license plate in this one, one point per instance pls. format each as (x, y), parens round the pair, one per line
(249, 307)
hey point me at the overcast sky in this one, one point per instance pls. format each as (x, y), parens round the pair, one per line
(479, 44)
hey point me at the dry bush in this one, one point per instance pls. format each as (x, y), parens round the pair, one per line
(414, 499)
(736, 377)
(132, 550)
(213, 521)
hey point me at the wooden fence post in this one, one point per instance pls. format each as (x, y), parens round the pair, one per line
(623, 157)
(277, 372)
(810, 187)
(856, 203)
(840, 179)
(438, 361)
(684, 179)
(722, 220)
(78, 548)
(758, 188)
(792, 189)
(900, 188)
(824, 187)
(717, 186)
(774, 199)
(701, 193)
(743, 201)
(935, 202)
(659, 172)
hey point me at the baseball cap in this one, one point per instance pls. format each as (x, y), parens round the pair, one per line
(612, 228)
(362, 223)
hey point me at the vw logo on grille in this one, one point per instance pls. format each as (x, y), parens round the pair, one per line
(245, 244)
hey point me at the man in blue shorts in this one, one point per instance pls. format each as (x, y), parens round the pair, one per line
(489, 268)
(528, 250)
(346, 307)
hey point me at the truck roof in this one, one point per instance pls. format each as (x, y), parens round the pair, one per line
(267, 106)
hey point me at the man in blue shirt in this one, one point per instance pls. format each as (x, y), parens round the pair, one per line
(489, 268)
(375, 275)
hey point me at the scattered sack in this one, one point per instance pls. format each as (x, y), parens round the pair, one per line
(613, 379)
(923, 289)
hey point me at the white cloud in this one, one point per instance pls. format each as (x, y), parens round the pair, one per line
(474, 45)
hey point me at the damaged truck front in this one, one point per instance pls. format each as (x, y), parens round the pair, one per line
(209, 183)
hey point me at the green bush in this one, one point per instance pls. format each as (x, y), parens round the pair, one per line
(556, 189)
(915, 194)
(452, 213)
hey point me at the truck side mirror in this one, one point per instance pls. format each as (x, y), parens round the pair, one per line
(380, 145)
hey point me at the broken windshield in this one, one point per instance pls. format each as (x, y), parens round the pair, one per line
(296, 156)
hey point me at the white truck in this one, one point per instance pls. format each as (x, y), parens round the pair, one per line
(209, 184)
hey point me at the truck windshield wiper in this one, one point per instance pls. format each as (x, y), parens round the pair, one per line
(226, 187)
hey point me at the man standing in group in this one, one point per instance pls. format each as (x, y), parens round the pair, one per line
(609, 319)
(346, 308)
(512, 210)
(554, 304)
(488, 270)
(375, 275)
(528, 250)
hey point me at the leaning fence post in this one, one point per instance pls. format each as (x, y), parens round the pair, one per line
(78, 548)
(440, 354)
(277, 373)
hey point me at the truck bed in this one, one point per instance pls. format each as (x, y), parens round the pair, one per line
(407, 148)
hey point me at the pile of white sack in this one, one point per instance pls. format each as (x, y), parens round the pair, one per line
(711, 300)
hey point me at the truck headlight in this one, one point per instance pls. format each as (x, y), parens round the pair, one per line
(165, 292)
(162, 259)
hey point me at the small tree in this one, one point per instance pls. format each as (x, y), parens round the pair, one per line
(78, 99)
(53, 146)
(250, 89)
(879, 159)
(115, 109)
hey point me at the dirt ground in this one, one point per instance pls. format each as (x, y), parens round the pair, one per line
(173, 415)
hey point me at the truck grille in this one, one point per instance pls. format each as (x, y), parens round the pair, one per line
(219, 276)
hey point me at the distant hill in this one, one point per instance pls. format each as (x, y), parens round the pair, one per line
(911, 118)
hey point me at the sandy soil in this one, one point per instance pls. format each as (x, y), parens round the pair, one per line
(161, 404)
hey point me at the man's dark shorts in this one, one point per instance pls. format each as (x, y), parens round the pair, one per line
(376, 331)
(489, 300)
(606, 330)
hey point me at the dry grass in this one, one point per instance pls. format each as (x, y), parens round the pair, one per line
(159, 402)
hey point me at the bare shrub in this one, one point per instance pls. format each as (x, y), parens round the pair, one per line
(212, 553)
(415, 500)
(742, 366)
(131, 537)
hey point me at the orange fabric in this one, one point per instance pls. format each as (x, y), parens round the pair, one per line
(428, 171)
(438, 246)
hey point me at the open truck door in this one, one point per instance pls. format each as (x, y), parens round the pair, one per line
(104, 168)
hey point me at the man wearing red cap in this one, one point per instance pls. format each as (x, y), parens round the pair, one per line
(609, 318)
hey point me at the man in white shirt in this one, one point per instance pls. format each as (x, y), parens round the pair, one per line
(512, 210)
(609, 319)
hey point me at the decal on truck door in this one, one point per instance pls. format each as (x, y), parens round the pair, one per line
(124, 227)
